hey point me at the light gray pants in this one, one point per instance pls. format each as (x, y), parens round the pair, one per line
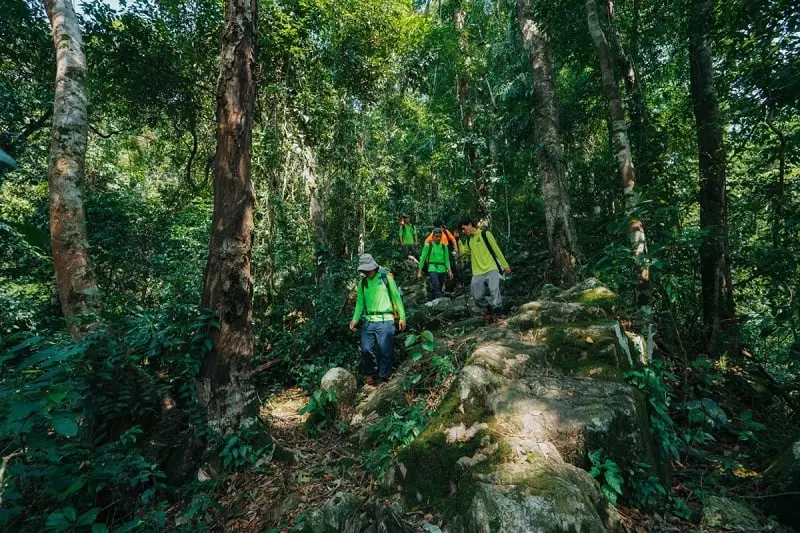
(479, 286)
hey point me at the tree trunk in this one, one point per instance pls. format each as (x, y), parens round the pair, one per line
(316, 211)
(463, 95)
(75, 279)
(636, 105)
(719, 318)
(223, 384)
(561, 236)
(780, 186)
(622, 147)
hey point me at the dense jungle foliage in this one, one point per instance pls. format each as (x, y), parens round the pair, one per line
(378, 108)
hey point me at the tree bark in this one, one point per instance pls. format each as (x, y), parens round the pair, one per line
(719, 318)
(777, 204)
(464, 101)
(561, 236)
(622, 147)
(627, 65)
(223, 384)
(75, 279)
(316, 211)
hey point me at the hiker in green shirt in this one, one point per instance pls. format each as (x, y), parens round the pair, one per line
(378, 299)
(408, 237)
(436, 256)
(487, 261)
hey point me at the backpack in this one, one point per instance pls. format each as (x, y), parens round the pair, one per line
(383, 275)
(491, 250)
(424, 267)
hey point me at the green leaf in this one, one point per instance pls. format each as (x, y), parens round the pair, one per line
(429, 346)
(88, 517)
(427, 335)
(99, 528)
(410, 339)
(64, 424)
(7, 160)
(416, 356)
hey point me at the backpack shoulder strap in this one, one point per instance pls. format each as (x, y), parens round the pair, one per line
(491, 251)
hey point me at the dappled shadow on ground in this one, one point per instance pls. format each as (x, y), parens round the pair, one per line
(279, 495)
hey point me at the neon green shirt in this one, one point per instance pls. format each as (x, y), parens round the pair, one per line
(480, 256)
(378, 299)
(407, 233)
(438, 256)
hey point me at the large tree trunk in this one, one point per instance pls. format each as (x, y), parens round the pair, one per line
(561, 236)
(316, 211)
(223, 383)
(75, 280)
(622, 148)
(464, 101)
(719, 317)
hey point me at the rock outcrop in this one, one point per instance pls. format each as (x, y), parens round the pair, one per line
(507, 449)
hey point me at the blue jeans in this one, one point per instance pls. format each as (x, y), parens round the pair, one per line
(437, 280)
(382, 334)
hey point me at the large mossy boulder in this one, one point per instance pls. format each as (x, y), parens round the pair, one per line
(507, 449)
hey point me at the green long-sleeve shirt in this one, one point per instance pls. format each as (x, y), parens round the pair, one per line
(437, 255)
(407, 232)
(479, 254)
(374, 299)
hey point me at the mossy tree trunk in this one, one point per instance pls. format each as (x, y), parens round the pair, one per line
(223, 382)
(75, 279)
(622, 149)
(561, 236)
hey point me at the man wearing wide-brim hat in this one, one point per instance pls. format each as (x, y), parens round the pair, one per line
(379, 302)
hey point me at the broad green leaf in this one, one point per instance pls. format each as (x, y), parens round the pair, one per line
(64, 424)
(411, 339)
(429, 346)
(416, 356)
(427, 335)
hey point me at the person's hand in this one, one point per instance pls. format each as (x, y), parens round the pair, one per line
(401, 325)
(419, 273)
(507, 270)
(353, 325)
(450, 274)
(455, 234)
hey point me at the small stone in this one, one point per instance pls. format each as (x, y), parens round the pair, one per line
(341, 382)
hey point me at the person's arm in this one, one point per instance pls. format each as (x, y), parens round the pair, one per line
(416, 238)
(359, 305)
(397, 300)
(447, 262)
(400, 235)
(498, 252)
(426, 250)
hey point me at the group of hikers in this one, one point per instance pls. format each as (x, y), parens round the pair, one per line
(379, 302)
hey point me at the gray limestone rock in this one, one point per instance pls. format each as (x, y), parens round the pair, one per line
(342, 382)
(722, 513)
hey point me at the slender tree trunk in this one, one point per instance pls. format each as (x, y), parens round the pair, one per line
(223, 384)
(777, 204)
(622, 147)
(627, 65)
(75, 279)
(719, 317)
(561, 236)
(316, 211)
(464, 101)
